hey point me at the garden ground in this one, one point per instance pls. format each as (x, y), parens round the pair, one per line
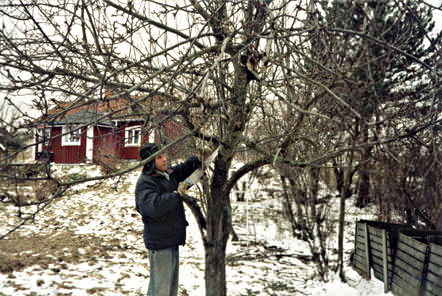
(89, 242)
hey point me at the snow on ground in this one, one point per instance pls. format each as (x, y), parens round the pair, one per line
(89, 242)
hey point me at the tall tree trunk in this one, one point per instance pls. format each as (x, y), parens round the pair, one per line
(319, 251)
(288, 206)
(341, 236)
(219, 225)
(219, 213)
(215, 248)
(348, 174)
(364, 176)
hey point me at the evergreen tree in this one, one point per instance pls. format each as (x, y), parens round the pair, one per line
(379, 60)
(386, 58)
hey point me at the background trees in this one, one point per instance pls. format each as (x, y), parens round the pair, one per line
(302, 84)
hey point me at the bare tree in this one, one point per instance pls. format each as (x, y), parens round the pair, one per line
(224, 68)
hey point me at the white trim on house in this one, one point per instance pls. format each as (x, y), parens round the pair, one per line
(82, 125)
(132, 136)
(70, 138)
(51, 126)
(104, 125)
(47, 134)
(116, 121)
(90, 143)
(151, 138)
(33, 148)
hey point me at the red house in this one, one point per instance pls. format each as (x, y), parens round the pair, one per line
(84, 134)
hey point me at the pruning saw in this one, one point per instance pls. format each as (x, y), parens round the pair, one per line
(197, 174)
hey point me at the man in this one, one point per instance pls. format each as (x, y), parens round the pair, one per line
(158, 195)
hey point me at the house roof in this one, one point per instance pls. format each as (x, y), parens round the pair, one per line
(84, 116)
(66, 113)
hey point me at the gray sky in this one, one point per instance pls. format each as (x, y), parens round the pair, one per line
(21, 100)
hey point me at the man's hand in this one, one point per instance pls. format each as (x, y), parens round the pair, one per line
(182, 188)
(204, 154)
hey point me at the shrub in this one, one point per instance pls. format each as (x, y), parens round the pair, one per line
(43, 189)
(106, 158)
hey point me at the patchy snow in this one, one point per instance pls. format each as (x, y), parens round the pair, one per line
(91, 244)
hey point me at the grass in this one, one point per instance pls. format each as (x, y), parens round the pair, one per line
(60, 253)
(18, 252)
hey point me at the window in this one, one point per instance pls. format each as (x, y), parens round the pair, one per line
(71, 136)
(133, 136)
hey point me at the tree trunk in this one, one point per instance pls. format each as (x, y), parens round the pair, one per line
(364, 181)
(319, 251)
(219, 225)
(219, 213)
(218, 229)
(364, 177)
(341, 236)
(288, 206)
(215, 270)
(348, 174)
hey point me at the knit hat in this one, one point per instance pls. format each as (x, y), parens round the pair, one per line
(146, 151)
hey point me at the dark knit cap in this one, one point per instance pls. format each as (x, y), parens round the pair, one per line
(146, 151)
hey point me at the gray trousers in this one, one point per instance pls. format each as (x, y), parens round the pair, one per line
(164, 271)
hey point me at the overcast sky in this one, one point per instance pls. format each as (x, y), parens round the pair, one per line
(436, 13)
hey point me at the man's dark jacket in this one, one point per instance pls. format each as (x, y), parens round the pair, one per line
(161, 208)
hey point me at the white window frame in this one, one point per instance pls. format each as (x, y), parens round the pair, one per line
(40, 134)
(151, 138)
(130, 137)
(47, 134)
(71, 136)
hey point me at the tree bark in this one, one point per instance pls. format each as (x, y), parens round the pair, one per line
(219, 225)
(215, 274)
(348, 174)
(364, 176)
(218, 229)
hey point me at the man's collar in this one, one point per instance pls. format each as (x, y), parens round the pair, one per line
(156, 173)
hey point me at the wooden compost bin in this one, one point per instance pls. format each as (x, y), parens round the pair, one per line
(361, 261)
(433, 280)
(376, 250)
(417, 266)
(408, 261)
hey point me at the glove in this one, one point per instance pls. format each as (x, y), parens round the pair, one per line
(204, 154)
(182, 188)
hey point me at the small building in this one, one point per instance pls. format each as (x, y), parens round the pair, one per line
(84, 134)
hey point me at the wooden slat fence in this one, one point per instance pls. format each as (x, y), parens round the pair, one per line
(361, 256)
(381, 254)
(433, 280)
(409, 266)
(381, 241)
(401, 257)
